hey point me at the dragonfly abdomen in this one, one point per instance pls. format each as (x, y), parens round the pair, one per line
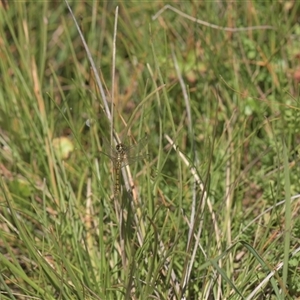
(117, 166)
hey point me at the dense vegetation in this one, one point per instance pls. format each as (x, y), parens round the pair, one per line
(207, 207)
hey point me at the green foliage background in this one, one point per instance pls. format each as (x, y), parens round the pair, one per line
(213, 213)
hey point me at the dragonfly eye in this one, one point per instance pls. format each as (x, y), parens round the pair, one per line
(120, 148)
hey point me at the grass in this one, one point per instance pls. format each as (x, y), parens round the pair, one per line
(212, 212)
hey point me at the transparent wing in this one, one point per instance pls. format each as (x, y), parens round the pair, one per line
(137, 151)
(132, 153)
(108, 150)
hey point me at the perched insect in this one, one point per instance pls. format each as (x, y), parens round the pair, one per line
(123, 155)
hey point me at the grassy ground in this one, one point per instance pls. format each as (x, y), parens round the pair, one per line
(210, 208)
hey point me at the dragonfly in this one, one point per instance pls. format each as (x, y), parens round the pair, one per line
(122, 155)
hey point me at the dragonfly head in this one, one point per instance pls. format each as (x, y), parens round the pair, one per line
(121, 148)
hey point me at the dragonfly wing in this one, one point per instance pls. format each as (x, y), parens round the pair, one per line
(133, 159)
(132, 153)
(108, 150)
(135, 152)
(136, 149)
